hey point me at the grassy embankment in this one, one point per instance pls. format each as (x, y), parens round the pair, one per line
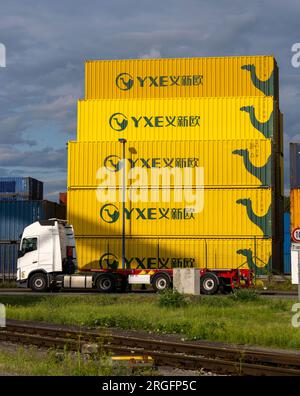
(244, 318)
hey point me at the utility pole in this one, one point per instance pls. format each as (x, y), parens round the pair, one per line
(123, 142)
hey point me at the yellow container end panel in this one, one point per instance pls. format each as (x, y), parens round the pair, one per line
(177, 119)
(181, 77)
(239, 163)
(172, 212)
(147, 253)
(295, 208)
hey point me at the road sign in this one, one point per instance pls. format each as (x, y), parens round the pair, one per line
(296, 235)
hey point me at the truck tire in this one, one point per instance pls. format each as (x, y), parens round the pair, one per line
(161, 282)
(209, 283)
(105, 283)
(38, 282)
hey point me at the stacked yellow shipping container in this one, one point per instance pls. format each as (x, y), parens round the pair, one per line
(216, 118)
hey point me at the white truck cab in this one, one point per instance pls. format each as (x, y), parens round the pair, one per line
(47, 249)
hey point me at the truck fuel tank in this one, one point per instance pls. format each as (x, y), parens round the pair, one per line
(77, 282)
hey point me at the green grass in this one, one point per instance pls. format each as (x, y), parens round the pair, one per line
(244, 317)
(58, 363)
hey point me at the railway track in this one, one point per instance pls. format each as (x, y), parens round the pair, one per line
(221, 359)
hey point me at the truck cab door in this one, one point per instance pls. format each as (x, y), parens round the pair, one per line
(28, 259)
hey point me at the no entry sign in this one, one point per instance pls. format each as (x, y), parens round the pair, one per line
(296, 235)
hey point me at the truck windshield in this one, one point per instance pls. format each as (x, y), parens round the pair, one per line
(29, 245)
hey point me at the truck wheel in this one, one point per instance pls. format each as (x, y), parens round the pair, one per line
(38, 283)
(161, 282)
(209, 283)
(105, 283)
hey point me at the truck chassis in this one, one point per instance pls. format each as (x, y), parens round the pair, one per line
(108, 281)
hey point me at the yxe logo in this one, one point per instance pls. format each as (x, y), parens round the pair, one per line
(125, 81)
(114, 163)
(119, 121)
(111, 261)
(109, 213)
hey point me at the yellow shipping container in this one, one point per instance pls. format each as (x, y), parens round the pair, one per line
(95, 253)
(295, 208)
(239, 163)
(177, 119)
(172, 212)
(181, 77)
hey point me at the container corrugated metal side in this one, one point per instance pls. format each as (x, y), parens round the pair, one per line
(295, 208)
(20, 188)
(169, 212)
(295, 165)
(235, 163)
(16, 215)
(8, 260)
(287, 244)
(177, 119)
(94, 253)
(181, 77)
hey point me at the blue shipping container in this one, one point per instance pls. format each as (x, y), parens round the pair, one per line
(287, 244)
(16, 215)
(20, 188)
(8, 260)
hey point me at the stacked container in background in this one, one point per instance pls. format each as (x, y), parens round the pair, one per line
(295, 208)
(218, 115)
(21, 203)
(20, 188)
(287, 243)
(63, 198)
(295, 190)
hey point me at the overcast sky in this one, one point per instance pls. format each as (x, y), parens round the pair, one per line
(47, 43)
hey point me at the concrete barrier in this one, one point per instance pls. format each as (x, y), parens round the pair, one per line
(186, 280)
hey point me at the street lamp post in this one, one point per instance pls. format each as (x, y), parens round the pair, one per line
(123, 142)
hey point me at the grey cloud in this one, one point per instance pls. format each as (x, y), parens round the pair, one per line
(11, 130)
(45, 158)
